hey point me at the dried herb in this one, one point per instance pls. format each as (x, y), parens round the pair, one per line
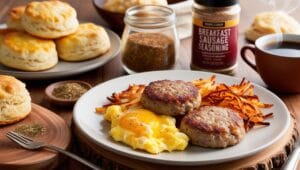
(31, 130)
(69, 91)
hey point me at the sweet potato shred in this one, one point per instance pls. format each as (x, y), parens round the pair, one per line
(239, 97)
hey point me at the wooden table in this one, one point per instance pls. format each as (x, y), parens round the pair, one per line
(86, 12)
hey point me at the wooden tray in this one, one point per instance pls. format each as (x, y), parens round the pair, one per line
(272, 157)
(57, 133)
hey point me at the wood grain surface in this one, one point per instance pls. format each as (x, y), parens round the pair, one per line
(56, 132)
(86, 12)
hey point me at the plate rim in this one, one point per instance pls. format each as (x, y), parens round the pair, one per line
(176, 162)
(40, 75)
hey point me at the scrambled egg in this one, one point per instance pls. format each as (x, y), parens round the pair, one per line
(143, 129)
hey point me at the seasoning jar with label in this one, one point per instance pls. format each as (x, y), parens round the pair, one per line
(149, 40)
(215, 35)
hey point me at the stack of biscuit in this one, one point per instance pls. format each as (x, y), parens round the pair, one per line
(40, 33)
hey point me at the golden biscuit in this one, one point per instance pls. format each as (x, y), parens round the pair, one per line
(88, 42)
(14, 18)
(15, 101)
(272, 22)
(49, 19)
(3, 32)
(23, 51)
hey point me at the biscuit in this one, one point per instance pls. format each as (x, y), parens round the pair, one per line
(88, 42)
(3, 32)
(120, 6)
(14, 18)
(23, 51)
(15, 101)
(272, 22)
(49, 19)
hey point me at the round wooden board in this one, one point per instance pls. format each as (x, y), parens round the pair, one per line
(57, 133)
(272, 157)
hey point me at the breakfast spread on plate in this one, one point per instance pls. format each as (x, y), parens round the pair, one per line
(163, 115)
(41, 33)
(272, 22)
(209, 114)
(15, 101)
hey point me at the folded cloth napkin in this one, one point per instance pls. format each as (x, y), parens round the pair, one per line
(183, 11)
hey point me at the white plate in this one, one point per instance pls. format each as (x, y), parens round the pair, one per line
(63, 68)
(95, 128)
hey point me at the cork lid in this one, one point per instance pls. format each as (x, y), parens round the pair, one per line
(217, 3)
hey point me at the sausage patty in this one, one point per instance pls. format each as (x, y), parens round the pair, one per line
(213, 126)
(171, 97)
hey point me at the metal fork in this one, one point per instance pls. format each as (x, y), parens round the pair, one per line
(30, 144)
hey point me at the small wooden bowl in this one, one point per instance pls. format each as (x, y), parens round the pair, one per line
(63, 102)
(115, 19)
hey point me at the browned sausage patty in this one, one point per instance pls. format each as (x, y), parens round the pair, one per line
(171, 97)
(213, 126)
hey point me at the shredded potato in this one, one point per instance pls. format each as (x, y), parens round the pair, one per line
(239, 97)
(205, 86)
(129, 98)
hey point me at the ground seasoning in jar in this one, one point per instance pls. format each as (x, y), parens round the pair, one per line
(149, 51)
(69, 91)
(215, 35)
(31, 130)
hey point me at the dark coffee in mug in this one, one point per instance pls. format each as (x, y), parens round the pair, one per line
(277, 60)
(284, 48)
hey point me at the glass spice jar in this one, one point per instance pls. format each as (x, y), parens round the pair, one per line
(149, 40)
(215, 35)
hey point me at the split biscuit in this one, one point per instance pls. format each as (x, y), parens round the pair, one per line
(49, 19)
(14, 18)
(272, 22)
(23, 51)
(88, 42)
(15, 101)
